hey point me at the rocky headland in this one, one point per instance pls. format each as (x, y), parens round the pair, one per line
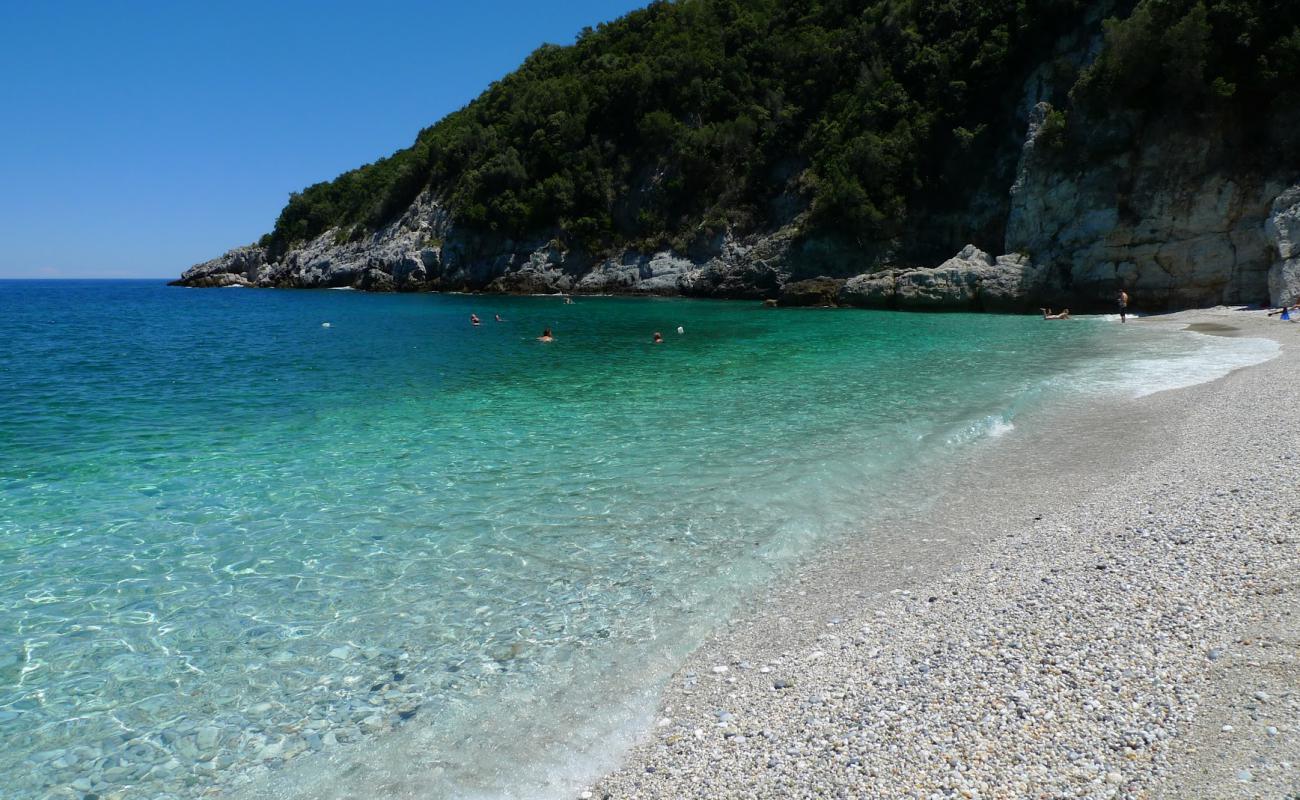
(1165, 192)
(1201, 241)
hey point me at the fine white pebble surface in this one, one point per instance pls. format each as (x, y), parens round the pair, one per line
(1113, 615)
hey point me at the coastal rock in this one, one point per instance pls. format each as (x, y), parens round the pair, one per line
(818, 292)
(953, 284)
(970, 280)
(239, 267)
(871, 290)
(658, 273)
(1014, 284)
(1161, 220)
(1178, 232)
(1283, 231)
(1071, 241)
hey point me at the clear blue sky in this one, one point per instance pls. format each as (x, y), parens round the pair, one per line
(137, 138)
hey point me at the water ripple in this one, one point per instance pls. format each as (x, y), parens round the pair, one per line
(231, 539)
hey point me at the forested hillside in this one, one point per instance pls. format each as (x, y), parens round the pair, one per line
(731, 112)
(717, 112)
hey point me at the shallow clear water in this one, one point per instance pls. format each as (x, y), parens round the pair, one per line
(238, 545)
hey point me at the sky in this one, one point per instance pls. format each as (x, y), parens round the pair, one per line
(139, 138)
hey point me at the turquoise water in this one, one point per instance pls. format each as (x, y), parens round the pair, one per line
(241, 549)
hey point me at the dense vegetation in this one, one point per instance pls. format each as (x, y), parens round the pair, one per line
(1197, 56)
(730, 112)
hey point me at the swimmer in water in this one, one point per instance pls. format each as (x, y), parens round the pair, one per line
(498, 318)
(474, 320)
(659, 338)
(546, 336)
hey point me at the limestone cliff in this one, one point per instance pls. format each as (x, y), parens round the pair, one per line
(1164, 219)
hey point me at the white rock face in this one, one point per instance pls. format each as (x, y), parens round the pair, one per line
(1283, 231)
(972, 279)
(659, 273)
(872, 290)
(1161, 221)
(239, 267)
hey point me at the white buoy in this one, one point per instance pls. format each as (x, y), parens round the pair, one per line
(680, 329)
(324, 324)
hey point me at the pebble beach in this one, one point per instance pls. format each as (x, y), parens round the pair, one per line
(1105, 608)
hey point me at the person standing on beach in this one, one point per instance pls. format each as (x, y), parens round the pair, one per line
(1123, 305)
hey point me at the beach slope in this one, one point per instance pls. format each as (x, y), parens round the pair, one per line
(1106, 607)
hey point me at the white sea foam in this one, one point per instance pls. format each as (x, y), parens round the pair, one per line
(1152, 360)
(990, 427)
(1168, 359)
(1218, 357)
(1000, 427)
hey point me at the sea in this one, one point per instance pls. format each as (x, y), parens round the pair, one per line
(326, 544)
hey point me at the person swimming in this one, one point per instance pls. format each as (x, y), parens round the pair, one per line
(659, 338)
(497, 317)
(474, 320)
(546, 336)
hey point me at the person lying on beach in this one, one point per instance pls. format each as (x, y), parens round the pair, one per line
(1047, 314)
(546, 336)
